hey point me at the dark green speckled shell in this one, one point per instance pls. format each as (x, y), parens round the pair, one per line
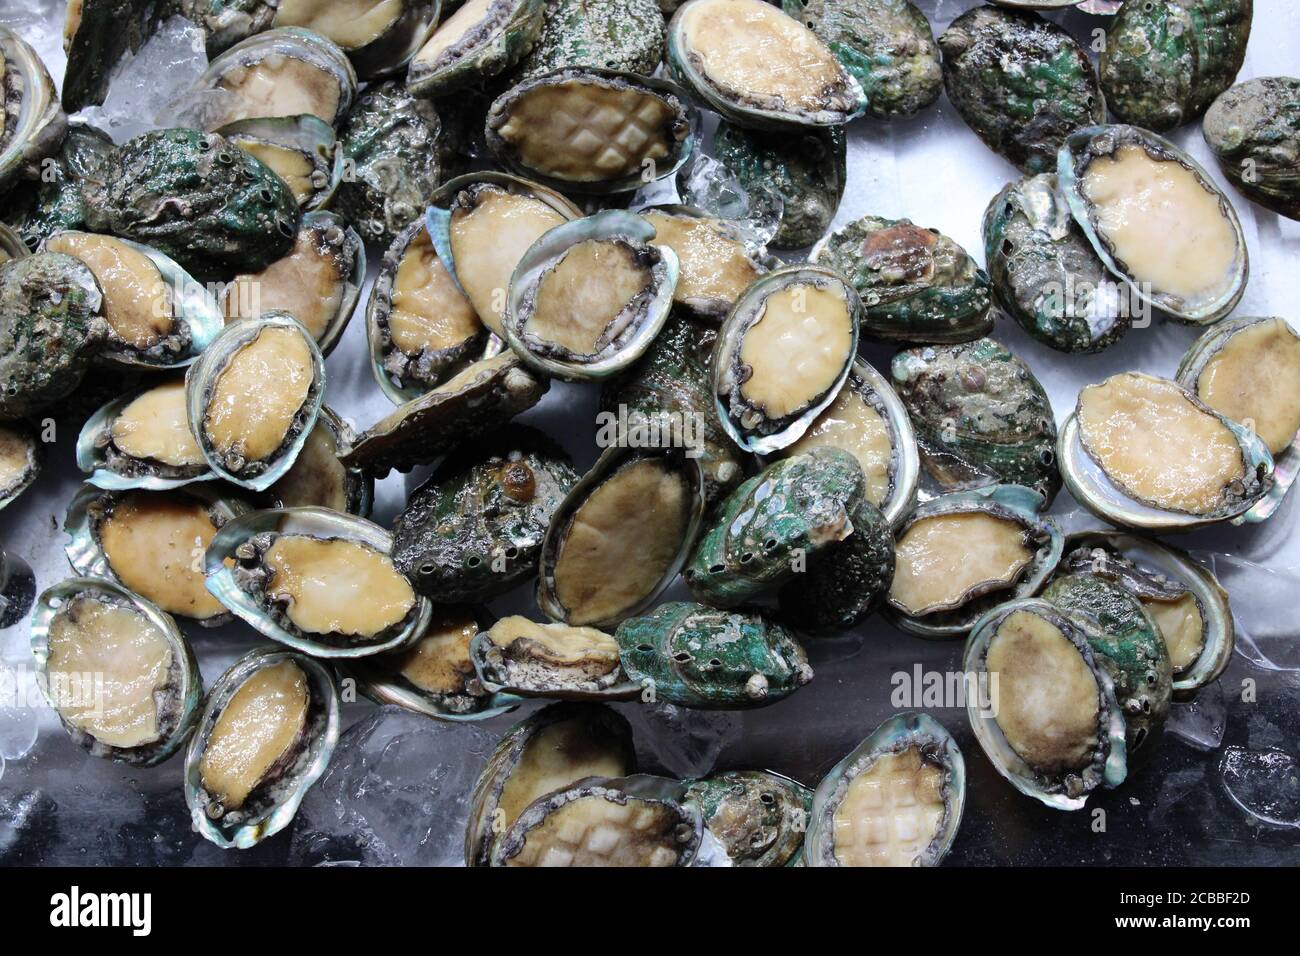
(887, 45)
(1045, 273)
(1020, 82)
(980, 415)
(193, 196)
(51, 327)
(1126, 643)
(474, 530)
(916, 284)
(775, 525)
(696, 656)
(625, 35)
(760, 817)
(807, 170)
(1254, 131)
(58, 203)
(1164, 63)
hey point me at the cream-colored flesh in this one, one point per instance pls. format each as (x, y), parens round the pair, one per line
(1181, 625)
(853, 424)
(335, 586)
(1047, 698)
(136, 300)
(592, 831)
(1152, 441)
(439, 663)
(308, 283)
(556, 757)
(106, 664)
(1255, 379)
(154, 542)
(590, 652)
(15, 458)
(259, 393)
(891, 812)
(622, 541)
(279, 86)
(797, 347)
(585, 131)
(941, 558)
(349, 23)
(1162, 224)
(488, 241)
(429, 314)
(258, 728)
(452, 30)
(289, 164)
(580, 298)
(154, 426)
(714, 266)
(316, 477)
(753, 50)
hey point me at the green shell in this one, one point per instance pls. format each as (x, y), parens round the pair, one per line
(760, 817)
(626, 35)
(916, 284)
(1020, 82)
(887, 45)
(51, 327)
(1164, 63)
(775, 525)
(848, 582)
(391, 144)
(1254, 131)
(193, 196)
(1126, 643)
(474, 530)
(980, 415)
(697, 656)
(58, 203)
(1046, 274)
(807, 170)
(672, 379)
(106, 31)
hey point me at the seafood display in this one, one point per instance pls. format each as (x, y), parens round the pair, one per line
(637, 427)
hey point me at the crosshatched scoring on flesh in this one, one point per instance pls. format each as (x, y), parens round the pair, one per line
(1047, 697)
(593, 831)
(581, 130)
(429, 313)
(257, 395)
(337, 586)
(581, 301)
(137, 303)
(1254, 378)
(349, 23)
(557, 756)
(891, 812)
(308, 283)
(154, 542)
(853, 424)
(796, 348)
(755, 52)
(1165, 226)
(941, 558)
(439, 663)
(257, 731)
(622, 540)
(714, 266)
(154, 426)
(489, 239)
(130, 658)
(277, 86)
(1181, 625)
(1152, 441)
